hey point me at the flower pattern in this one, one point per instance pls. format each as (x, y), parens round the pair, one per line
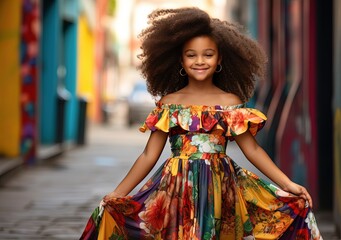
(201, 193)
(155, 216)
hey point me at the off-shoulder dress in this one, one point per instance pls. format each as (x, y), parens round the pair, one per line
(199, 192)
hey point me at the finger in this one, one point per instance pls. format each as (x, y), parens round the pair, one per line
(307, 197)
(310, 200)
(103, 203)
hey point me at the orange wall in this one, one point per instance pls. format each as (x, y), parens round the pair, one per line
(9, 77)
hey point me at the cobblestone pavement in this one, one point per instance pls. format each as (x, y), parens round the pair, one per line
(54, 199)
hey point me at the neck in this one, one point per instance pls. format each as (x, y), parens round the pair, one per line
(202, 86)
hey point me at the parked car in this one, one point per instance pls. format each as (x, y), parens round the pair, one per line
(140, 103)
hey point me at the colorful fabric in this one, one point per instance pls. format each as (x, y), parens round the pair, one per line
(201, 193)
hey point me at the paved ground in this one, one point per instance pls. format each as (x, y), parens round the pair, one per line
(54, 199)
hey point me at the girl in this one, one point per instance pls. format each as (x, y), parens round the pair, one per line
(204, 71)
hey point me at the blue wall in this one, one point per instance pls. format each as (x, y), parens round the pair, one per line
(70, 57)
(50, 48)
(58, 52)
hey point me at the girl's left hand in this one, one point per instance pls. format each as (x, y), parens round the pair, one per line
(299, 191)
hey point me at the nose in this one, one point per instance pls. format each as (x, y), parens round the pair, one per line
(200, 60)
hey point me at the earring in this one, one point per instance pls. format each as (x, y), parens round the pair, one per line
(181, 72)
(221, 68)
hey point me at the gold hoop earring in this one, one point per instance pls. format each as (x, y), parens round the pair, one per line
(221, 68)
(181, 73)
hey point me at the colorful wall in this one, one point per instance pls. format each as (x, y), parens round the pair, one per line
(38, 42)
(337, 114)
(69, 19)
(297, 94)
(19, 76)
(10, 84)
(296, 136)
(86, 55)
(50, 60)
(29, 54)
(57, 93)
(93, 44)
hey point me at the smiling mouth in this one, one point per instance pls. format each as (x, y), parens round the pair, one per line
(200, 69)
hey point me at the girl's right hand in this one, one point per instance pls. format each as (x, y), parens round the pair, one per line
(110, 196)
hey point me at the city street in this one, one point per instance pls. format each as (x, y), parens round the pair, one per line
(78, 66)
(54, 199)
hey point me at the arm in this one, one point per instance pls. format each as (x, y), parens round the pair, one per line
(142, 166)
(261, 160)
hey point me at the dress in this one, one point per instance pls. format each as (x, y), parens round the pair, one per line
(201, 193)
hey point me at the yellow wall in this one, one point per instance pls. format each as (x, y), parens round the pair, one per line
(86, 63)
(9, 77)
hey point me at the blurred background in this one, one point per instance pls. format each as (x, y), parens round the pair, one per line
(68, 67)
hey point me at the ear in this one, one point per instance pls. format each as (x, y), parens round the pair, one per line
(220, 59)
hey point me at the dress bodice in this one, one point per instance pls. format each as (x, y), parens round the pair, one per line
(195, 145)
(198, 129)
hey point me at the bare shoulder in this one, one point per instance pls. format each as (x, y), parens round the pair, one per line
(206, 98)
(229, 99)
(172, 98)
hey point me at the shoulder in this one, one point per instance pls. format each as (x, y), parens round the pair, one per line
(212, 98)
(172, 97)
(228, 99)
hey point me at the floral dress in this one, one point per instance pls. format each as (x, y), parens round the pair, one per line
(201, 193)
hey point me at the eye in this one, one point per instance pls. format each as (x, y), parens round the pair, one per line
(209, 54)
(190, 55)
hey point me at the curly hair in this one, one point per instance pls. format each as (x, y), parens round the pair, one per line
(243, 60)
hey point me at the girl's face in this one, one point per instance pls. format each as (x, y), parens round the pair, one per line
(200, 58)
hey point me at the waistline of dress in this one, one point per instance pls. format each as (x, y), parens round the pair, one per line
(197, 155)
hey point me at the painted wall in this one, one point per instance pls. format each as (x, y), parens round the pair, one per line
(100, 32)
(10, 18)
(86, 67)
(337, 114)
(296, 94)
(29, 53)
(70, 61)
(58, 101)
(296, 151)
(69, 18)
(50, 60)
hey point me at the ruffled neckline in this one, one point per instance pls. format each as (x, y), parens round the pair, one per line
(233, 120)
(196, 106)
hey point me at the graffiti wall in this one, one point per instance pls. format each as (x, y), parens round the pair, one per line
(296, 151)
(30, 29)
(337, 115)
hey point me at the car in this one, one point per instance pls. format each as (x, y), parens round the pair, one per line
(140, 104)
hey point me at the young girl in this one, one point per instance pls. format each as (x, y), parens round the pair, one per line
(204, 71)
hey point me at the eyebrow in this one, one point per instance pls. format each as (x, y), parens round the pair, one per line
(208, 49)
